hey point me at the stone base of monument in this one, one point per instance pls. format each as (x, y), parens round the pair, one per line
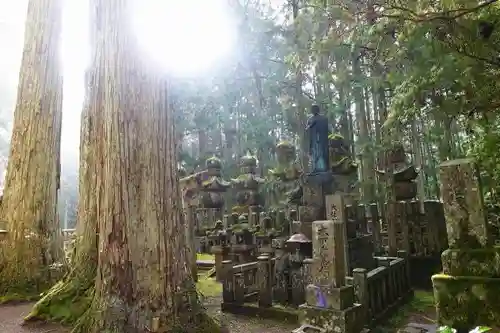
(331, 309)
(467, 293)
(334, 298)
(333, 320)
(465, 302)
(307, 215)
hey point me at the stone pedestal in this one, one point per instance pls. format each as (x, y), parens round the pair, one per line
(467, 292)
(220, 254)
(241, 253)
(191, 242)
(332, 320)
(315, 187)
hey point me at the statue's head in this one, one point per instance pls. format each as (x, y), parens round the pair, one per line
(315, 109)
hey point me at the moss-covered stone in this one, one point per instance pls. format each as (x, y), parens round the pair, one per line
(465, 302)
(333, 321)
(472, 262)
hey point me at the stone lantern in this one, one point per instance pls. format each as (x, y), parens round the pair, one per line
(214, 186)
(247, 186)
(404, 174)
(264, 236)
(300, 248)
(218, 240)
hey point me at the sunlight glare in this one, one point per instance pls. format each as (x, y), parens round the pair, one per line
(185, 37)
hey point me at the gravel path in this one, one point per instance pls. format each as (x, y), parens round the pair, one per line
(11, 317)
(242, 324)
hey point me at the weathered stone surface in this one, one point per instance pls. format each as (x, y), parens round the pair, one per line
(227, 281)
(309, 213)
(327, 297)
(466, 302)
(332, 320)
(434, 215)
(335, 211)
(313, 194)
(264, 281)
(328, 242)
(472, 262)
(219, 252)
(360, 253)
(463, 204)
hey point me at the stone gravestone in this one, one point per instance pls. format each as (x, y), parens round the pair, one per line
(467, 292)
(463, 204)
(335, 211)
(329, 301)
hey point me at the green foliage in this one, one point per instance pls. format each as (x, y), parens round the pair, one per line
(447, 329)
(421, 63)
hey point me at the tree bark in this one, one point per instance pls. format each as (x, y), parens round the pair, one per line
(69, 300)
(143, 282)
(29, 205)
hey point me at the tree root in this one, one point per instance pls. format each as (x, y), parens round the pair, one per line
(66, 301)
(190, 317)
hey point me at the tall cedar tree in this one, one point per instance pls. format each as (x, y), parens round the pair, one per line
(143, 282)
(32, 179)
(69, 300)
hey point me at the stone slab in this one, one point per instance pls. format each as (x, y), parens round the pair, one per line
(465, 302)
(463, 204)
(472, 262)
(349, 320)
(327, 297)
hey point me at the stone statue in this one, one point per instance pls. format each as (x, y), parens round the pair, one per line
(317, 132)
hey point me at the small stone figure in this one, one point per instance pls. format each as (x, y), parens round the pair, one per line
(317, 133)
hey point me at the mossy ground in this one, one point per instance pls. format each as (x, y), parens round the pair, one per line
(65, 302)
(23, 292)
(70, 305)
(420, 309)
(208, 287)
(204, 256)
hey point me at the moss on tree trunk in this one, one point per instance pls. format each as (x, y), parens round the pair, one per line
(142, 281)
(30, 196)
(69, 300)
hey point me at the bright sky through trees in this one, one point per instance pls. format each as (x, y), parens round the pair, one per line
(181, 37)
(185, 37)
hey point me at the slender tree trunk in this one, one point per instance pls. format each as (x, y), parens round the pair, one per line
(367, 172)
(143, 282)
(298, 94)
(29, 205)
(418, 163)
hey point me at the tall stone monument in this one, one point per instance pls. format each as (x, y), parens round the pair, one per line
(330, 304)
(467, 292)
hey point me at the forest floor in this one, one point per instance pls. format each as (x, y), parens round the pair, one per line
(418, 316)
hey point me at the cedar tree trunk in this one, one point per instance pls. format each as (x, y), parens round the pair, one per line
(69, 300)
(143, 282)
(30, 195)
